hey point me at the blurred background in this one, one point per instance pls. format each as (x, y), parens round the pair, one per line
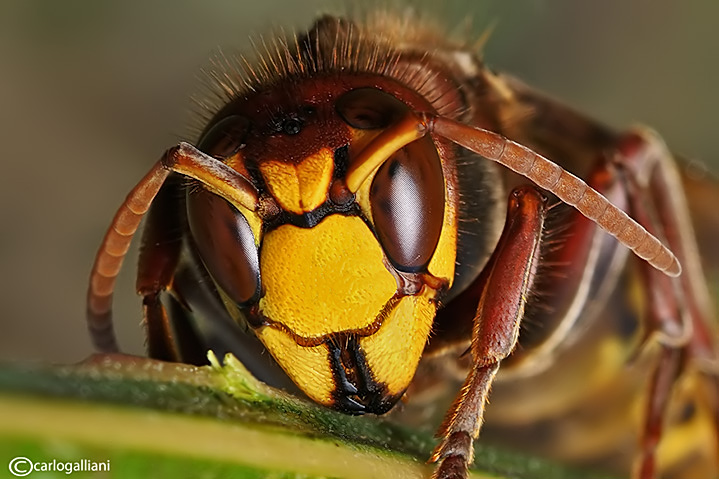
(91, 93)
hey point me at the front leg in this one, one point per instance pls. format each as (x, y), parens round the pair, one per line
(506, 280)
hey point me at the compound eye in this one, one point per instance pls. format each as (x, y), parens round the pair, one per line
(226, 245)
(369, 108)
(226, 137)
(407, 200)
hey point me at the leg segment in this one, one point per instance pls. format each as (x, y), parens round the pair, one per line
(169, 337)
(159, 253)
(507, 279)
(679, 315)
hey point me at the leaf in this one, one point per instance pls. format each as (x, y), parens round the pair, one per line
(154, 419)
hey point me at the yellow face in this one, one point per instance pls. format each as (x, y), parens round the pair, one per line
(346, 285)
(327, 289)
(334, 314)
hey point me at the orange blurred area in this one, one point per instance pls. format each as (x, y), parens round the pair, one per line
(91, 93)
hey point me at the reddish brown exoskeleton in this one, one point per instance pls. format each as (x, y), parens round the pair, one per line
(348, 185)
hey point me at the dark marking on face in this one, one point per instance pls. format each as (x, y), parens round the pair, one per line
(356, 391)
